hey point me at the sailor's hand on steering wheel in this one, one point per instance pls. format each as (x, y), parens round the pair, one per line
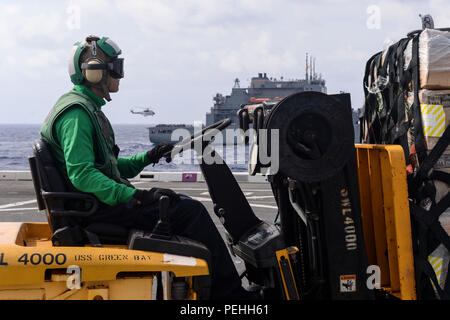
(146, 197)
(155, 154)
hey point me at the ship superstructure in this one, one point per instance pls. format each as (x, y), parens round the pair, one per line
(261, 88)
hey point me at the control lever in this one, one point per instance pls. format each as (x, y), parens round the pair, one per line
(162, 229)
(220, 212)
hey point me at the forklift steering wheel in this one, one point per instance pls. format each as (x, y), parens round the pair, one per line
(203, 135)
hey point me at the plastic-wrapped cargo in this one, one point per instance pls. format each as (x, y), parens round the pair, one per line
(439, 260)
(407, 102)
(435, 111)
(434, 59)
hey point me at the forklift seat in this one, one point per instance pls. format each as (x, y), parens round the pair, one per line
(66, 207)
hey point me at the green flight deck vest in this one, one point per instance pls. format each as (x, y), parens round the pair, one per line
(104, 141)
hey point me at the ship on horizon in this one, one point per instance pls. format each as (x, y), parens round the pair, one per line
(261, 88)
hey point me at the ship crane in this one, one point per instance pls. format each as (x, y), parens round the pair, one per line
(143, 111)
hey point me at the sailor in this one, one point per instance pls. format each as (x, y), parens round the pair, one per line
(82, 142)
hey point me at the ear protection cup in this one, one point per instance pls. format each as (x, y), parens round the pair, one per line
(93, 60)
(93, 76)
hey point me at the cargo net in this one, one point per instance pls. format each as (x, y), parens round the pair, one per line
(407, 102)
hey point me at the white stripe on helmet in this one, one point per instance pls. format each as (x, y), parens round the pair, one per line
(72, 70)
(113, 45)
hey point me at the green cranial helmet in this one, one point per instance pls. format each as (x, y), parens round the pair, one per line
(92, 60)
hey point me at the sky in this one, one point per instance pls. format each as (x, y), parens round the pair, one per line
(180, 53)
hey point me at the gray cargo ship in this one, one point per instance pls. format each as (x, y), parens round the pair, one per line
(261, 88)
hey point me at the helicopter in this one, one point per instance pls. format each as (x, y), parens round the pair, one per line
(144, 111)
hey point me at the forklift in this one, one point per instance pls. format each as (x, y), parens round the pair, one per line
(342, 230)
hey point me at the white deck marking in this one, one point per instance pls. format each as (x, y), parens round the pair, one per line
(10, 206)
(251, 204)
(206, 193)
(257, 205)
(16, 204)
(205, 189)
(139, 182)
(259, 197)
(18, 209)
(247, 194)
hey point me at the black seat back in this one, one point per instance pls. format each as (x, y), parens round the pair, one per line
(66, 207)
(46, 178)
(53, 193)
(36, 182)
(49, 176)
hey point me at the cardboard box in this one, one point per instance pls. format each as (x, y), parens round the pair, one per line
(434, 59)
(434, 55)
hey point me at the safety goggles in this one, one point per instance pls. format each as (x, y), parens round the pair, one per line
(115, 67)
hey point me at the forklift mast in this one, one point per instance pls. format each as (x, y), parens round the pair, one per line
(315, 186)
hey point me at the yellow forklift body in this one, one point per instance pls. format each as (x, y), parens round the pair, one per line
(31, 268)
(286, 272)
(386, 217)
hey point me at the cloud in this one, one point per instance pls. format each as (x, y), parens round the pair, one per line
(346, 53)
(7, 25)
(185, 16)
(43, 58)
(440, 10)
(22, 26)
(257, 53)
(179, 53)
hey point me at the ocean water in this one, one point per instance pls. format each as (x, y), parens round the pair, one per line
(16, 141)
